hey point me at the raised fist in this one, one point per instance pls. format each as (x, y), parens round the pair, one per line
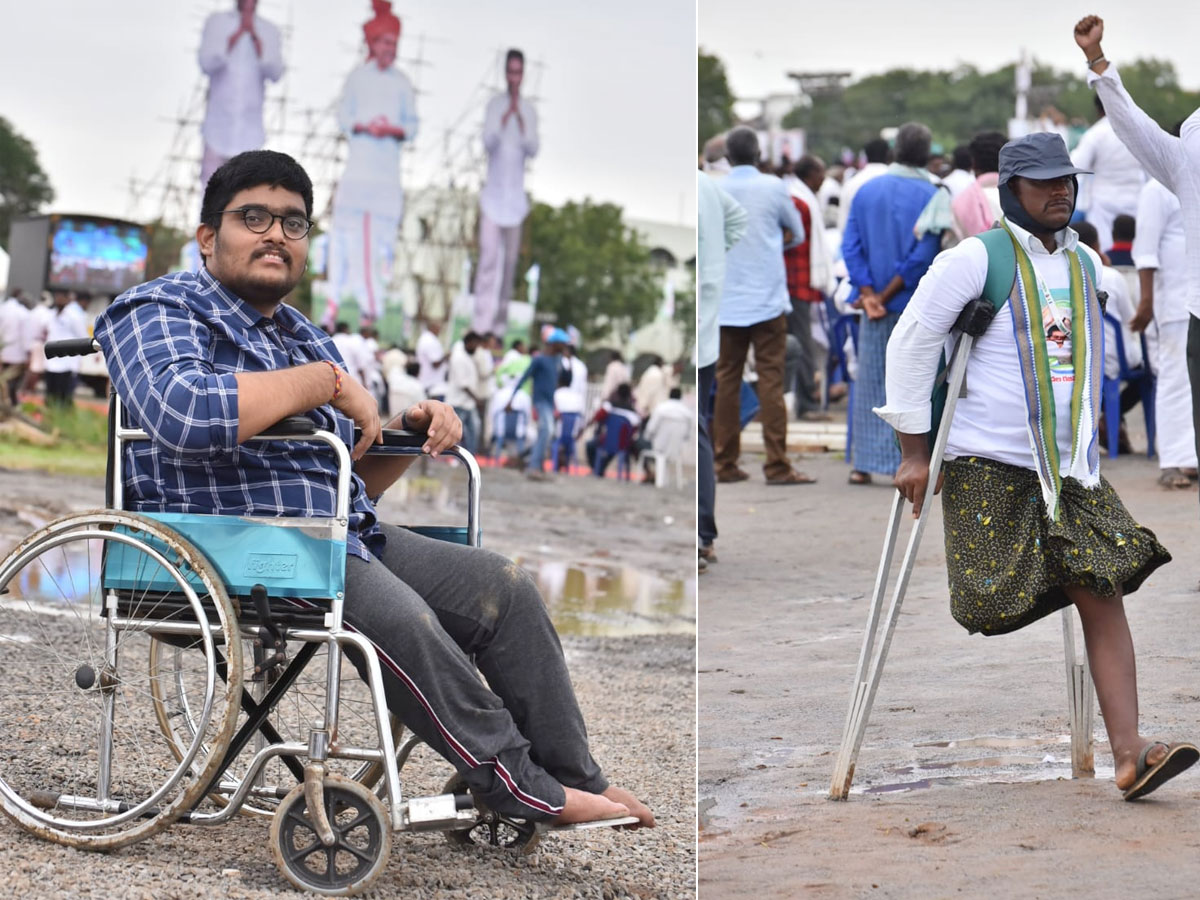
(1089, 31)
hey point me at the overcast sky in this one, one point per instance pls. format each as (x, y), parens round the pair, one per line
(760, 40)
(95, 86)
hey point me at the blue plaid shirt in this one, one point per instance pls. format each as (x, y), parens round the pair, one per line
(172, 347)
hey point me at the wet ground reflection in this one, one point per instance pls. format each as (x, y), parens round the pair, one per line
(596, 600)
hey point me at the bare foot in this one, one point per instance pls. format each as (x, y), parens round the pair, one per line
(636, 807)
(1126, 763)
(580, 806)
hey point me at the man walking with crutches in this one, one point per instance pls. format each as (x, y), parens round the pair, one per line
(1030, 525)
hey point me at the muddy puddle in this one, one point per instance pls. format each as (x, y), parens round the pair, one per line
(591, 599)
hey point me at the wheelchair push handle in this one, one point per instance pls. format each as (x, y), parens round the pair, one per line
(71, 347)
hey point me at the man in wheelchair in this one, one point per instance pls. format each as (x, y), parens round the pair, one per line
(205, 360)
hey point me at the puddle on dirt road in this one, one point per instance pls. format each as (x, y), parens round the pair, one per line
(597, 600)
(1000, 768)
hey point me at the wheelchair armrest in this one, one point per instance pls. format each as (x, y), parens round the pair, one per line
(291, 425)
(394, 437)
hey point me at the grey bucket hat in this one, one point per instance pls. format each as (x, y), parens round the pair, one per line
(1039, 156)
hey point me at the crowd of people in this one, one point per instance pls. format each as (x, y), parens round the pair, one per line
(24, 331)
(529, 407)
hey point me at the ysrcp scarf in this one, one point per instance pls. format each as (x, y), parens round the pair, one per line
(1086, 360)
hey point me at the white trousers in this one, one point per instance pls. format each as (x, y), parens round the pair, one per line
(361, 255)
(498, 249)
(1174, 431)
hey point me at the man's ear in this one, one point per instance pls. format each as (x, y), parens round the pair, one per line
(206, 240)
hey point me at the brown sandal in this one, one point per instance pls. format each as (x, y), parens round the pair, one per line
(792, 477)
(1174, 479)
(857, 477)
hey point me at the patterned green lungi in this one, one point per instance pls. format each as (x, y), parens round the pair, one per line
(1008, 564)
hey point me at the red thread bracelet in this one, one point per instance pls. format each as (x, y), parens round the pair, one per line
(337, 379)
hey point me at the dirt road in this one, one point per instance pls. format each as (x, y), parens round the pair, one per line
(965, 760)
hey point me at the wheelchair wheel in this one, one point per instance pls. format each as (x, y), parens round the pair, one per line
(491, 829)
(301, 706)
(81, 600)
(362, 839)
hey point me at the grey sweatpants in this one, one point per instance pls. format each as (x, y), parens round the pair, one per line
(436, 611)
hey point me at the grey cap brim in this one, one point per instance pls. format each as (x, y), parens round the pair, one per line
(1044, 173)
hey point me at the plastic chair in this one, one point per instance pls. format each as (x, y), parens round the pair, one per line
(1110, 392)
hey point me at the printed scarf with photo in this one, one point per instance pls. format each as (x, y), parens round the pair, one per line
(1086, 360)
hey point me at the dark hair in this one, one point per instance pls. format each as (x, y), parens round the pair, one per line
(1087, 233)
(806, 165)
(741, 146)
(413, 368)
(341, 328)
(249, 170)
(622, 396)
(985, 151)
(676, 393)
(962, 157)
(1124, 228)
(877, 151)
(517, 344)
(512, 54)
(913, 142)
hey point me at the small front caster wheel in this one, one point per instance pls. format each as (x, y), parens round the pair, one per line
(362, 839)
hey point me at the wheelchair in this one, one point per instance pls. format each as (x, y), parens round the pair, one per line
(180, 668)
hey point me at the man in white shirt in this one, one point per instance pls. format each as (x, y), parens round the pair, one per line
(1160, 255)
(432, 359)
(579, 371)
(1030, 525)
(878, 155)
(1174, 161)
(1114, 188)
(510, 136)
(960, 176)
(239, 52)
(14, 349)
(462, 385)
(378, 114)
(69, 323)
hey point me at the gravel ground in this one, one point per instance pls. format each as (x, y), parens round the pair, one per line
(637, 693)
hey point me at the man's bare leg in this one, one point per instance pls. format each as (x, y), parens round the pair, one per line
(580, 806)
(1114, 672)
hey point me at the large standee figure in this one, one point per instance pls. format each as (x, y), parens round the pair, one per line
(510, 137)
(239, 52)
(377, 112)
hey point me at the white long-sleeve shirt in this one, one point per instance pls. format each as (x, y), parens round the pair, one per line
(502, 198)
(1118, 177)
(1162, 246)
(14, 338)
(371, 180)
(233, 121)
(991, 420)
(1175, 161)
(68, 323)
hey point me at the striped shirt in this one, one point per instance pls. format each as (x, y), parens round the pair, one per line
(173, 346)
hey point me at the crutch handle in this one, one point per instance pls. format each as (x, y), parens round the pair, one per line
(975, 317)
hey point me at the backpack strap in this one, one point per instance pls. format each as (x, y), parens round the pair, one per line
(1002, 266)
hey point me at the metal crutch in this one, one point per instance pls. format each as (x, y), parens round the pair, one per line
(971, 323)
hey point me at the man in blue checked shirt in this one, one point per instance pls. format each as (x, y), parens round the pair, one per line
(205, 360)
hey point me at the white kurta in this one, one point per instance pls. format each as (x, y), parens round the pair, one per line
(502, 208)
(233, 121)
(368, 204)
(1113, 189)
(1161, 245)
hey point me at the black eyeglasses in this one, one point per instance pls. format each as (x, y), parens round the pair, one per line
(260, 220)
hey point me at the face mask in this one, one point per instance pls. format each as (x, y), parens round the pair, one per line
(1015, 212)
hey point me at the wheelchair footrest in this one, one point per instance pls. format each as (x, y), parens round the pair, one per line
(440, 813)
(598, 823)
